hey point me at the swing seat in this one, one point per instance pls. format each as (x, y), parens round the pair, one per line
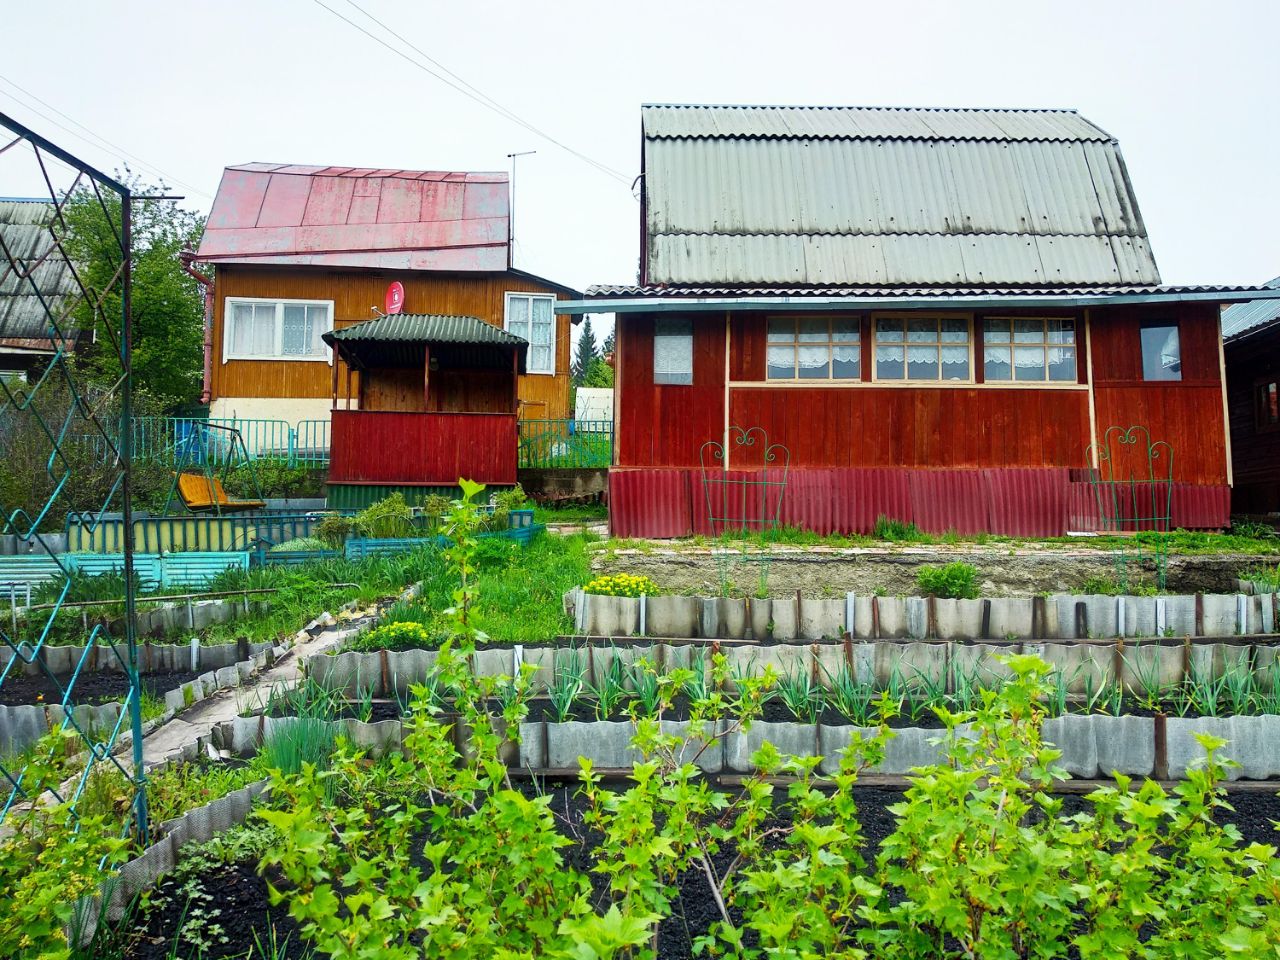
(200, 493)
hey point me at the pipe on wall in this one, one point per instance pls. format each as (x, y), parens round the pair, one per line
(188, 258)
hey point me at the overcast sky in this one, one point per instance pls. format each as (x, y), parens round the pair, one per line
(1189, 89)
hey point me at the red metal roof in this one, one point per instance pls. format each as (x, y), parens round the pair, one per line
(275, 213)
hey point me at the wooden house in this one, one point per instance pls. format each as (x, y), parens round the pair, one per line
(1251, 340)
(300, 251)
(937, 316)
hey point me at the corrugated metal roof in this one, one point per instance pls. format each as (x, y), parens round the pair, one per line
(940, 293)
(914, 123)
(42, 273)
(1243, 317)
(747, 196)
(359, 217)
(426, 328)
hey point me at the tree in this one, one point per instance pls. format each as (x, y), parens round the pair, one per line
(167, 303)
(587, 351)
(598, 374)
(607, 347)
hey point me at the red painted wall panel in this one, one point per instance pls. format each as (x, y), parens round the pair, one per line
(649, 503)
(422, 448)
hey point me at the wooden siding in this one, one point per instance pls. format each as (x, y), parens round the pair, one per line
(929, 427)
(971, 425)
(422, 448)
(353, 293)
(1186, 413)
(664, 425)
(1255, 453)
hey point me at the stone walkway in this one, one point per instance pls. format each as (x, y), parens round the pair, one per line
(198, 720)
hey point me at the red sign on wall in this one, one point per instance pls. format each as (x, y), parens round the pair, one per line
(395, 297)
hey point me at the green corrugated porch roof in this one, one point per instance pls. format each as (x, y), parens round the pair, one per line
(426, 328)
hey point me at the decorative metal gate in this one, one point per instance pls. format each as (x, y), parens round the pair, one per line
(80, 385)
(742, 502)
(1133, 490)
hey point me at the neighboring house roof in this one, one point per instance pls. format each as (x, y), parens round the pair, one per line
(426, 328)
(38, 272)
(743, 196)
(270, 213)
(1242, 318)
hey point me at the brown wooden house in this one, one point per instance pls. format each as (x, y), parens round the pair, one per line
(937, 315)
(301, 251)
(1251, 339)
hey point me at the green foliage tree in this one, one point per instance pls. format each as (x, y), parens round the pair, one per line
(587, 352)
(167, 304)
(598, 374)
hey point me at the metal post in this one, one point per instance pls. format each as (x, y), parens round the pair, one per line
(126, 487)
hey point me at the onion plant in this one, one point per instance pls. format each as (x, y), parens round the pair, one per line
(611, 692)
(647, 687)
(801, 694)
(696, 686)
(1146, 686)
(853, 698)
(567, 684)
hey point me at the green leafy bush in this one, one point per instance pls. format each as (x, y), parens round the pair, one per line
(386, 519)
(273, 477)
(955, 581)
(334, 530)
(300, 544)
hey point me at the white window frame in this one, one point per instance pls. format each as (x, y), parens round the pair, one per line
(555, 327)
(906, 380)
(686, 344)
(279, 357)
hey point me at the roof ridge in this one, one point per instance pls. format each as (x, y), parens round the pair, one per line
(886, 233)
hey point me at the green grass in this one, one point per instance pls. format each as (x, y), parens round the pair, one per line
(571, 513)
(520, 589)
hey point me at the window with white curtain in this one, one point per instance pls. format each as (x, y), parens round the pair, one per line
(922, 348)
(814, 348)
(1161, 351)
(673, 352)
(532, 316)
(1029, 349)
(257, 329)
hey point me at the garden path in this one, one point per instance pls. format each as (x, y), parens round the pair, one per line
(200, 719)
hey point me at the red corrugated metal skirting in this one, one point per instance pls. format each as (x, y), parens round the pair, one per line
(1017, 502)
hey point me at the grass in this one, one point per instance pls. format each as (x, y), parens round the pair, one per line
(521, 590)
(571, 513)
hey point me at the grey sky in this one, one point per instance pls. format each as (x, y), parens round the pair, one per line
(1189, 89)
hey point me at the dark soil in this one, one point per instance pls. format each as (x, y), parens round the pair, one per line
(244, 909)
(97, 686)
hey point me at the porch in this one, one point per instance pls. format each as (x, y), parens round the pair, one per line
(434, 399)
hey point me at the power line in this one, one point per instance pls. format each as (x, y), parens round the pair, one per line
(466, 89)
(102, 142)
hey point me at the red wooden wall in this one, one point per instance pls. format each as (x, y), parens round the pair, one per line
(1255, 448)
(1187, 414)
(428, 449)
(976, 425)
(665, 425)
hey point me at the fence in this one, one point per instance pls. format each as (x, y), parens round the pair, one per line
(566, 444)
(105, 533)
(184, 441)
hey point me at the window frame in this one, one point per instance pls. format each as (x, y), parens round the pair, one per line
(1142, 360)
(654, 358)
(229, 355)
(829, 344)
(555, 327)
(1043, 344)
(1261, 425)
(904, 380)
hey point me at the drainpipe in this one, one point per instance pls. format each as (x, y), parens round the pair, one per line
(188, 258)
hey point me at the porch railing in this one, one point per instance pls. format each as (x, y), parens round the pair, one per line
(566, 444)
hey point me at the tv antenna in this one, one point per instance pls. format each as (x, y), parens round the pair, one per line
(511, 220)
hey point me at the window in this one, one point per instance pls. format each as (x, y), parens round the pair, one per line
(922, 348)
(1161, 352)
(276, 329)
(1266, 405)
(814, 348)
(1029, 349)
(532, 316)
(673, 351)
